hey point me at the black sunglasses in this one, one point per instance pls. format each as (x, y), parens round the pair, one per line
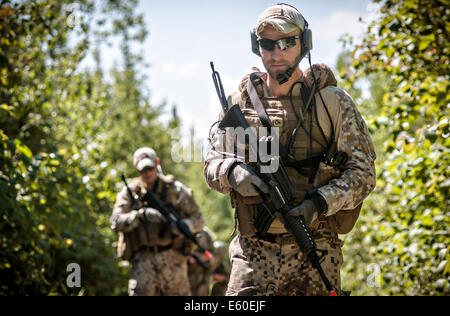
(283, 43)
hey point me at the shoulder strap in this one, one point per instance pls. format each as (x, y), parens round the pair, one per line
(306, 93)
(263, 117)
(257, 102)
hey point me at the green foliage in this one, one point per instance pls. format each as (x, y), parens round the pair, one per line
(66, 134)
(46, 224)
(216, 207)
(404, 226)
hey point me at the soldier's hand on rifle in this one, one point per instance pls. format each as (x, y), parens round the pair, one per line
(150, 214)
(309, 209)
(245, 181)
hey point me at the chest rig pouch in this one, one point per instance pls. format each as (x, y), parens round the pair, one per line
(154, 230)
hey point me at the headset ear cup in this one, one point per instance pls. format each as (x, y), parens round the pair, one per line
(255, 44)
(306, 42)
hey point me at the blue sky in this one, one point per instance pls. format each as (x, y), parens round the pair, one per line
(184, 36)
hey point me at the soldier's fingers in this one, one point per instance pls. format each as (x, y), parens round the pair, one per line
(296, 211)
(251, 191)
(247, 190)
(260, 184)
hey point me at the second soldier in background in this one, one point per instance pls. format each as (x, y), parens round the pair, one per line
(157, 251)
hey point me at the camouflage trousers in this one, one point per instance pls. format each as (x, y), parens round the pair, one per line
(159, 273)
(263, 268)
(199, 279)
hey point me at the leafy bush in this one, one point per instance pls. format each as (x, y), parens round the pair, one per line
(404, 228)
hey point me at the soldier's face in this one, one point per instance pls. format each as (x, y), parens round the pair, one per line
(277, 61)
(149, 175)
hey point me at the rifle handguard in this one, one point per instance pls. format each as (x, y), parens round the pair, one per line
(301, 233)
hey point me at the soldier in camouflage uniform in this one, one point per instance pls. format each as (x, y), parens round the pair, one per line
(157, 251)
(328, 192)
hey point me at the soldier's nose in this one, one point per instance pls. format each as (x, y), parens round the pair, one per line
(276, 52)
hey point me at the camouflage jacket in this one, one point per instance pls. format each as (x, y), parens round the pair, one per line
(135, 232)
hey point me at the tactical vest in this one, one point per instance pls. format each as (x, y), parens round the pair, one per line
(311, 140)
(151, 233)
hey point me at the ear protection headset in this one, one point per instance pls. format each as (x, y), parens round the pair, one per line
(305, 44)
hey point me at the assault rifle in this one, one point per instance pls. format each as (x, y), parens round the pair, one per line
(280, 199)
(169, 212)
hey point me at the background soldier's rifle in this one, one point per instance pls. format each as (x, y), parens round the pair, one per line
(168, 211)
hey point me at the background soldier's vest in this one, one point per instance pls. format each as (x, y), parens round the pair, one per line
(310, 140)
(149, 233)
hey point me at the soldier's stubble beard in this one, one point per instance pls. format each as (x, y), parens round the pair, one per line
(273, 73)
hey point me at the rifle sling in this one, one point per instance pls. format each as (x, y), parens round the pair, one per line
(263, 117)
(163, 198)
(306, 167)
